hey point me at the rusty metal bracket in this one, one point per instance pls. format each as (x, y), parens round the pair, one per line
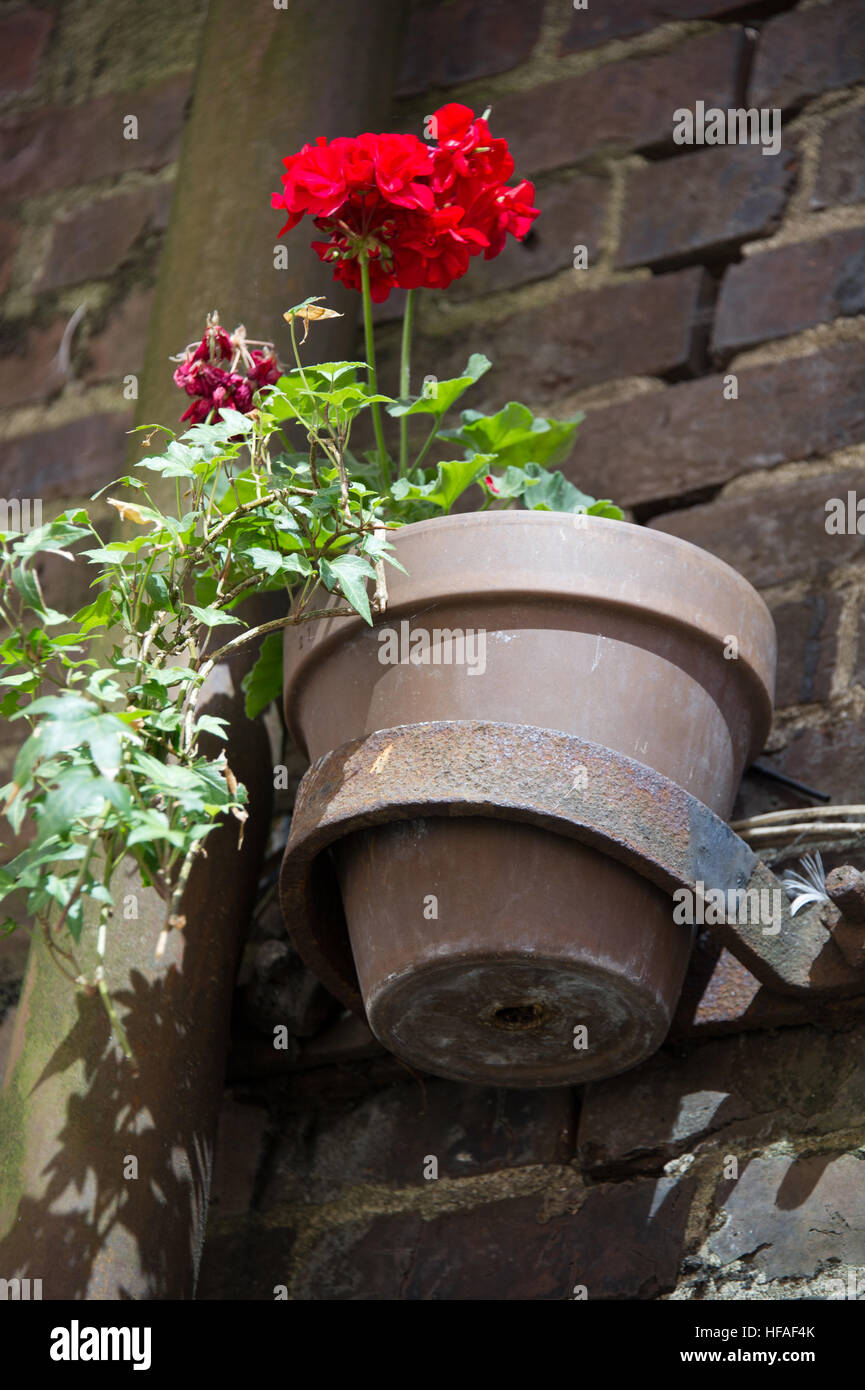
(556, 781)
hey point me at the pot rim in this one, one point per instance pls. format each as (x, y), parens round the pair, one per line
(703, 600)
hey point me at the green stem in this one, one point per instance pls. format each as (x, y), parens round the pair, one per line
(430, 437)
(405, 379)
(371, 372)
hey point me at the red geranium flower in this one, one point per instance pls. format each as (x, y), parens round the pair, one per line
(416, 212)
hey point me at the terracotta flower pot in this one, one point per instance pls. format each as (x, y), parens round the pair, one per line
(488, 949)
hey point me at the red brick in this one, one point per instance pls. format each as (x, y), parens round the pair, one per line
(93, 241)
(573, 212)
(841, 172)
(703, 204)
(9, 232)
(672, 443)
(362, 1261)
(807, 642)
(775, 536)
(22, 39)
(31, 372)
(790, 1216)
(647, 326)
(67, 463)
(829, 759)
(785, 291)
(740, 1089)
(238, 1154)
(807, 52)
(629, 1238)
(245, 1264)
(387, 1136)
(60, 147)
(119, 348)
(616, 19)
(625, 1242)
(621, 106)
(450, 41)
(281, 992)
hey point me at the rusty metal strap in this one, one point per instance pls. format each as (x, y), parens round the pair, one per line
(549, 779)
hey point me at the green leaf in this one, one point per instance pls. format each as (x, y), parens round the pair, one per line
(157, 589)
(270, 561)
(213, 617)
(125, 480)
(69, 707)
(77, 796)
(56, 535)
(9, 704)
(541, 490)
(238, 424)
(21, 678)
(351, 573)
(439, 396)
(263, 684)
(606, 508)
(515, 436)
(211, 724)
(451, 480)
(169, 675)
(28, 587)
(176, 462)
(154, 825)
(99, 613)
(104, 737)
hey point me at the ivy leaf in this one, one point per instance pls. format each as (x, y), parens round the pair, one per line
(56, 535)
(99, 613)
(176, 462)
(154, 825)
(211, 724)
(263, 684)
(26, 583)
(351, 573)
(157, 589)
(169, 675)
(77, 795)
(126, 481)
(270, 561)
(237, 423)
(213, 617)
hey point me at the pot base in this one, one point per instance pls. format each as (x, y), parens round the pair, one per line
(497, 953)
(509, 1023)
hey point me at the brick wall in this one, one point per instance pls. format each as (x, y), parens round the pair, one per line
(727, 1167)
(702, 264)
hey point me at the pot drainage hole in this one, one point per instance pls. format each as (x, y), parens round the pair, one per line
(519, 1018)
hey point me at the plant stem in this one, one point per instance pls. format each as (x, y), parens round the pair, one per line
(371, 372)
(429, 439)
(405, 379)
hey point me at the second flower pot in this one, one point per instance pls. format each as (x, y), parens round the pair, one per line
(491, 949)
